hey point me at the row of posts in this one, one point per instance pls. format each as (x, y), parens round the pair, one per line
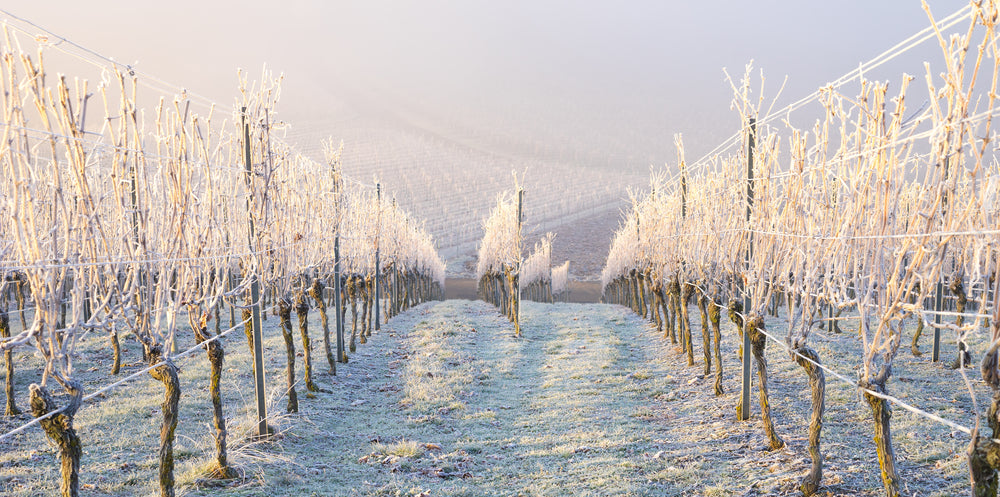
(255, 285)
(748, 256)
(503, 289)
(258, 342)
(745, 391)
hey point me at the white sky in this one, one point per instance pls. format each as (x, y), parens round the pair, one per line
(612, 81)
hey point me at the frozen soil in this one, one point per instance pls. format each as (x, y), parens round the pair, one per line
(591, 400)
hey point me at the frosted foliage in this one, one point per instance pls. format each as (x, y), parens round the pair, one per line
(501, 244)
(537, 266)
(145, 219)
(866, 209)
(409, 245)
(560, 278)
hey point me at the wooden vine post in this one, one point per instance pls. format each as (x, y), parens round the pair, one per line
(939, 287)
(258, 340)
(938, 307)
(517, 290)
(684, 190)
(337, 295)
(378, 267)
(744, 411)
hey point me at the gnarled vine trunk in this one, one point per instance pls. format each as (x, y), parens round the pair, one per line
(703, 311)
(817, 385)
(352, 295)
(302, 311)
(735, 310)
(640, 280)
(964, 358)
(983, 453)
(386, 294)
(343, 318)
(633, 290)
(116, 348)
(21, 289)
(914, 345)
(714, 317)
(216, 359)
(60, 429)
(285, 314)
(316, 292)
(248, 327)
(10, 408)
(669, 314)
(370, 303)
(362, 295)
(685, 324)
(758, 341)
(883, 438)
(407, 291)
(166, 373)
(657, 290)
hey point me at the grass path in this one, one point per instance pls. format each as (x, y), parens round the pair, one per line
(591, 400)
(446, 401)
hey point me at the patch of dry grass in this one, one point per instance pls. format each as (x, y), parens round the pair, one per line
(402, 449)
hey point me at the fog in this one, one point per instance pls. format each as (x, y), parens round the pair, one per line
(441, 100)
(607, 82)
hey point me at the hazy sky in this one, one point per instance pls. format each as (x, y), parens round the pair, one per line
(611, 80)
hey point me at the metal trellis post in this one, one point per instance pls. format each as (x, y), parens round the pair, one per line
(258, 339)
(745, 391)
